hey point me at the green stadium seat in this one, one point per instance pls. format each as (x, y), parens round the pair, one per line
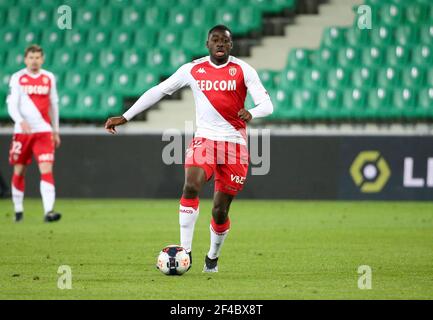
(354, 103)
(194, 39)
(267, 78)
(388, 77)
(74, 80)
(382, 36)
(189, 4)
(98, 38)
(424, 109)
(156, 17)
(2, 58)
(121, 38)
(305, 101)
(99, 80)
(3, 15)
(349, 56)
(203, 17)
(324, 57)
(250, 19)
(145, 80)
(422, 55)
(134, 58)
(179, 17)
(8, 37)
(123, 81)
(111, 105)
(15, 59)
(63, 59)
(97, 4)
(132, 17)
(283, 109)
(169, 38)
(18, 16)
(291, 78)
(145, 38)
(338, 78)
(3, 107)
(397, 56)
(299, 58)
(404, 103)
(407, 35)
(109, 58)
(430, 77)
(52, 38)
(333, 37)
(426, 34)
(67, 104)
(314, 78)
(85, 17)
(229, 17)
(363, 78)
(373, 56)
(41, 17)
(119, 4)
(417, 13)
(328, 104)
(5, 75)
(87, 59)
(358, 37)
(51, 3)
(413, 77)
(29, 36)
(165, 3)
(379, 103)
(158, 60)
(108, 17)
(178, 57)
(75, 38)
(7, 3)
(87, 105)
(391, 14)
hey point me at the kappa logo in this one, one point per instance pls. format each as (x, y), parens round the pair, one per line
(24, 80)
(370, 171)
(232, 71)
(201, 70)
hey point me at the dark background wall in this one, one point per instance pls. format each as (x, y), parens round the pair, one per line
(302, 167)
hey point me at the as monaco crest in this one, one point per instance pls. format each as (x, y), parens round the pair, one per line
(45, 80)
(232, 71)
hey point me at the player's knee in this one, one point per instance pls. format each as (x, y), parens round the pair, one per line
(220, 214)
(191, 189)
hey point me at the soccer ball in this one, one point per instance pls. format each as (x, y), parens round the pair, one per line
(173, 260)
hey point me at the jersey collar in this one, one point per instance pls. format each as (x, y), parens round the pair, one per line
(219, 66)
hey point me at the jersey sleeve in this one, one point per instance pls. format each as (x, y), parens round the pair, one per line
(13, 100)
(262, 101)
(54, 104)
(176, 81)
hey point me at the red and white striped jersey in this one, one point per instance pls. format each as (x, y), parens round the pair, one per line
(219, 93)
(33, 97)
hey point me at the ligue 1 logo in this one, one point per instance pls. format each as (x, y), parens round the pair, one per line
(232, 71)
(370, 171)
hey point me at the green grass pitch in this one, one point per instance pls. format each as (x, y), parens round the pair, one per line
(275, 250)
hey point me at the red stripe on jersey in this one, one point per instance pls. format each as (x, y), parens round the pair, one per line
(225, 89)
(38, 89)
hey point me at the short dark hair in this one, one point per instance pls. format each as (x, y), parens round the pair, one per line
(219, 27)
(33, 48)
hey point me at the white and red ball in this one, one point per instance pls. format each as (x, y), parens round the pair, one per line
(173, 260)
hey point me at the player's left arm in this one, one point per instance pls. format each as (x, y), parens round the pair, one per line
(262, 101)
(54, 111)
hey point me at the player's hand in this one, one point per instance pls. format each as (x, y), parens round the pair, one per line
(26, 127)
(111, 123)
(56, 138)
(245, 115)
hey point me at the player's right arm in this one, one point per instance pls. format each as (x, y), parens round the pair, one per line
(13, 102)
(175, 82)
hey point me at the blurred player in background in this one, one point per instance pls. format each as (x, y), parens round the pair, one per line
(33, 106)
(219, 83)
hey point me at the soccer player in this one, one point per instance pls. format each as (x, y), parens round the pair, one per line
(219, 83)
(33, 106)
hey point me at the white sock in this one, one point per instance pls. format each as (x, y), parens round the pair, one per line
(48, 193)
(187, 217)
(216, 242)
(18, 199)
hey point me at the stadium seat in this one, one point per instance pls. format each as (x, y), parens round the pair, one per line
(108, 17)
(379, 103)
(63, 59)
(87, 105)
(67, 104)
(349, 57)
(333, 37)
(299, 58)
(74, 80)
(354, 102)
(145, 38)
(358, 37)
(194, 39)
(404, 103)
(15, 59)
(75, 38)
(382, 36)
(413, 77)
(8, 37)
(203, 17)
(430, 77)
(324, 57)
(422, 55)
(156, 17)
(388, 77)
(339, 78)
(145, 80)
(52, 38)
(85, 17)
(250, 19)
(426, 34)
(133, 58)
(87, 59)
(391, 14)
(407, 35)
(123, 81)
(282, 106)
(158, 60)
(229, 17)
(111, 105)
(397, 56)
(99, 80)
(267, 78)
(305, 101)
(179, 17)
(41, 17)
(314, 78)
(424, 109)
(18, 16)
(109, 58)
(291, 78)
(3, 107)
(132, 17)
(29, 36)
(178, 57)
(363, 78)
(328, 104)
(121, 38)
(169, 38)
(373, 56)
(417, 13)
(7, 3)
(5, 75)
